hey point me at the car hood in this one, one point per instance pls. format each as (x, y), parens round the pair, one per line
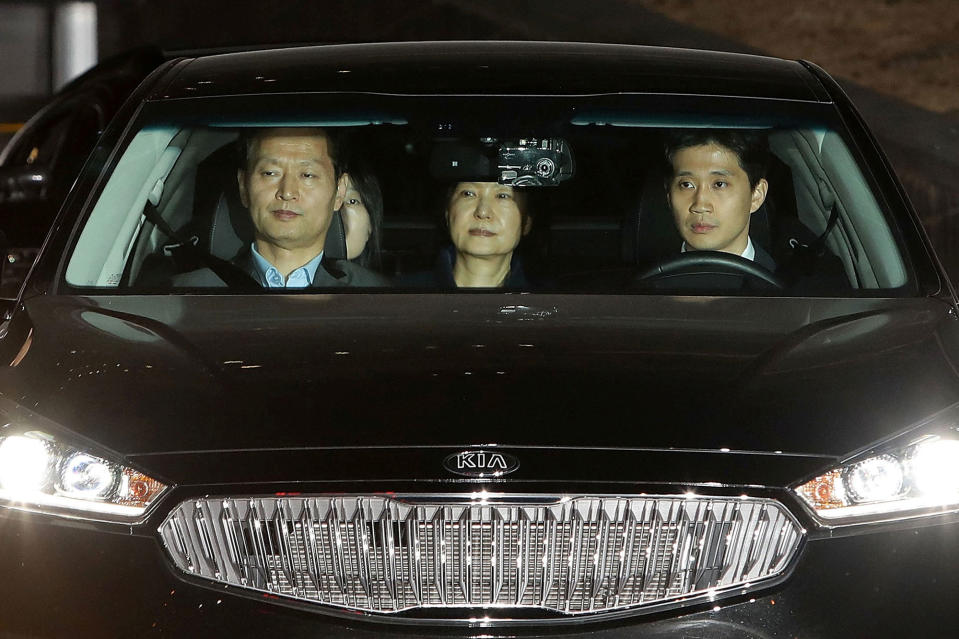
(156, 374)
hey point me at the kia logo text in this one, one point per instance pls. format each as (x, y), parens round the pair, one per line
(481, 463)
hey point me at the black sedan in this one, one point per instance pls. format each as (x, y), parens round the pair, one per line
(482, 339)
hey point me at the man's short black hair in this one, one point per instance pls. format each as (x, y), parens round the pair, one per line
(244, 143)
(750, 146)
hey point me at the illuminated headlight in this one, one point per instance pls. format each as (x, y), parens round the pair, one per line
(920, 478)
(39, 473)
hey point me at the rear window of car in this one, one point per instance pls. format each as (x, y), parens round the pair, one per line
(602, 208)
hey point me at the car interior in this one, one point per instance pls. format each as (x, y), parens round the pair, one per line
(601, 218)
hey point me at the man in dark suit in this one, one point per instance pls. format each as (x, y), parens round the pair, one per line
(717, 182)
(291, 182)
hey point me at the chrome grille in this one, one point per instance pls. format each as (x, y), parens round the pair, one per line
(385, 554)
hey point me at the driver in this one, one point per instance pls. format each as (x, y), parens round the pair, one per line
(717, 182)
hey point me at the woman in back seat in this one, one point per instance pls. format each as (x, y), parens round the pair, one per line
(362, 215)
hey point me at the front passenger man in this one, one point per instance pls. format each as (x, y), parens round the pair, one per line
(290, 182)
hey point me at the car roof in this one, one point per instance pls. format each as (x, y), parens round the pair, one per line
(486, 67)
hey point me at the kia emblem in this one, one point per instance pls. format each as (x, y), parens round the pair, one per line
(481, 463)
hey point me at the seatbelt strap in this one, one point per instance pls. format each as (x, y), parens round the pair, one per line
(820, 242)
(804, 256)
(232, 275)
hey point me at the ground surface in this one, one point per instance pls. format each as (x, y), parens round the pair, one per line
(908, 49)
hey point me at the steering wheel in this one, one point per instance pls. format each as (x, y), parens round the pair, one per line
(693, 263)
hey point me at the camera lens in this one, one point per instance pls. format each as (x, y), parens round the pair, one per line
(545, 167)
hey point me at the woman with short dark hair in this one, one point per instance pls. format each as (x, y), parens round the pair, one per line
(486, 222)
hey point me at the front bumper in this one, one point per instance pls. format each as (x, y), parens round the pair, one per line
(62, 578)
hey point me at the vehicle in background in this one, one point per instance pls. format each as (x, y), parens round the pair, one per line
(42, 160)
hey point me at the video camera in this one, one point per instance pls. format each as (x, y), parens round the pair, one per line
(521, 162)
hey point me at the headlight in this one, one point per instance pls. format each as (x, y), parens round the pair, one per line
(919, 478)
(39, 473)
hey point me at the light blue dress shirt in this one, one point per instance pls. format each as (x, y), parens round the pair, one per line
(270, 277)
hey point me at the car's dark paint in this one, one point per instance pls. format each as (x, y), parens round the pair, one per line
(622, 469)
(492, 68)
(753, 374)
(591, 393)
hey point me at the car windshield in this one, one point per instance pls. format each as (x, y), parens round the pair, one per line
(580, 194)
